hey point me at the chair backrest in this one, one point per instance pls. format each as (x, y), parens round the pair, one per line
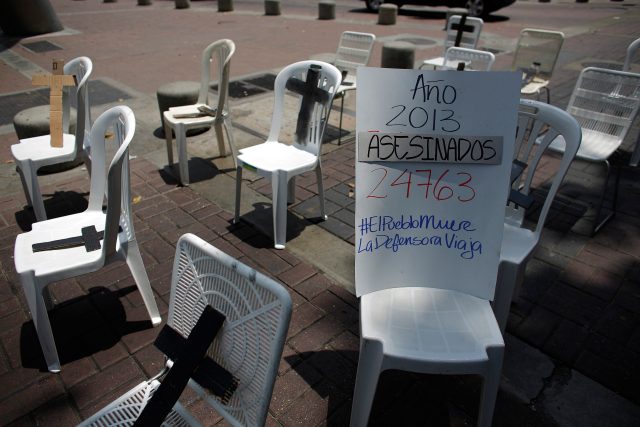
(478, 60)
(81, 68)
(220, 52)
(538, 51)
(112, 131)
(257, 311)
(631, 50)
(354, 50)
(538, 125)
(329, 79)
(470, 34)
(605, 102)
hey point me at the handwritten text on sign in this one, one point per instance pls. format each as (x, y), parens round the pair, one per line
(397, 147)
(433, 156)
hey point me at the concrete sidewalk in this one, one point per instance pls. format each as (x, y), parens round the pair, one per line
(573, 338)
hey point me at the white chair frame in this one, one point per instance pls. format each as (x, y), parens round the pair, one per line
(281, 162)
(31, 154)
(221, 52)
(249, 346)
(37, 269)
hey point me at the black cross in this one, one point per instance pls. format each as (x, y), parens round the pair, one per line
(311, 94)
(190, 361)
(462, 28)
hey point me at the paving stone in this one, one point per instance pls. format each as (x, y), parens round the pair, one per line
(313, 286)
(583, 402)
(93, 388)
(524, 369)
(31, 397)
(566, 342)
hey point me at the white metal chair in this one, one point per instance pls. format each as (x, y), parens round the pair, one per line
(628, 60)
(353, 51)
(249, 345)
(183, 118)
(38, 268)
(467, 36)
(536, 55)
(605, 102)
(31, 154)
(538, 125)
(478, 60)
(280, 161)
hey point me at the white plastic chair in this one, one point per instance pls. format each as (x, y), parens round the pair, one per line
(353, 51)
(536, 55)
(249, 345)
(538, 125)
(605, 102)
(37, 269)
(477, 60)
(31, 154)
(221, 52)
(468, 38)
(631, 51)
(281, 162)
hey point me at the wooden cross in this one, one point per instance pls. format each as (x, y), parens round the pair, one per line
(56, 81)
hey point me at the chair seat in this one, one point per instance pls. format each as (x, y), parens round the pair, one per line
(426, 324)
(273, 155)
(126, 409)
(188, 122)
(54, 262)
(534, 86)
(435, 62)
(517, 243)
(595, 146)
(38, 149)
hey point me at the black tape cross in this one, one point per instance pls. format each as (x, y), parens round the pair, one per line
(90, 239)
(461, 28)
(523, 200)
(311, 94)
(188, 357)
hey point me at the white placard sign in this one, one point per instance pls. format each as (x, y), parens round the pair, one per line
(433, 159)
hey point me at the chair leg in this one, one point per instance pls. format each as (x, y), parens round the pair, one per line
(134, 261)
(635, 157)
(38, 309)
(220, 138)
(323, 215)
(598, 224)
(291, 190)
(30, 180)
(369, 369)
(169, 139)
(279, 201)
(340, 125)
(183, 160)
(228, 127)
(25, 187)
(236, 218)
(490, 386)
(507, 288)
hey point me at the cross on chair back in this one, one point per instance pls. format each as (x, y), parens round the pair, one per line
(34, 153)
(249, 345)
(286, 154)
(462, 31)
(60, 248)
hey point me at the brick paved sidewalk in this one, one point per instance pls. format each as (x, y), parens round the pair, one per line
(576, 325)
